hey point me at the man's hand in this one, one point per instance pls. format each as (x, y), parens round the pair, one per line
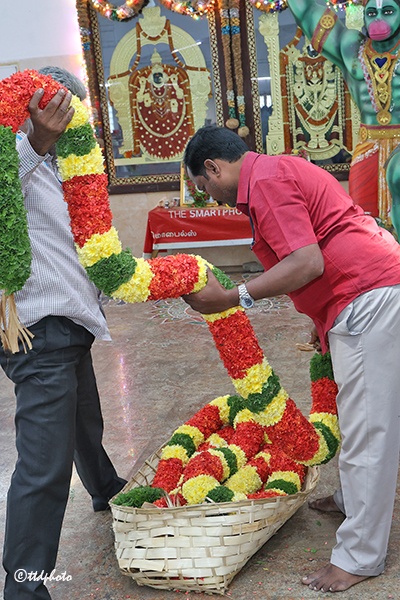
(50, 122)
(213, 298)
(314, 340)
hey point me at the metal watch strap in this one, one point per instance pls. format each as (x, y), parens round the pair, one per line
(244, 297)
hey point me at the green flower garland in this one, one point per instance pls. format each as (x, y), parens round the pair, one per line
(15, 249)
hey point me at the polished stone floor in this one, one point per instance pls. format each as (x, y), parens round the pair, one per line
(160, 368)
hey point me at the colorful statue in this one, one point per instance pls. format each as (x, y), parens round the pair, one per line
(369, 64)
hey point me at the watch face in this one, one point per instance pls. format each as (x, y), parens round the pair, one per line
(246, 302)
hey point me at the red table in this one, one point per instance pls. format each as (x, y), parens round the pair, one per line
(180, 228)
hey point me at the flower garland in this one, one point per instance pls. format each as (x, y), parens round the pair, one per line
(192, 8)
(195, 8)
(232, 50)
(262, 411)
(344, 4)
(132, 8)
(15, 250)
(238, 460)
(232, 121)
(127, 11)
(234, 16)
(199, 198)
(270, 6)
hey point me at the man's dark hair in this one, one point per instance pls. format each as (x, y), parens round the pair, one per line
(212, 142)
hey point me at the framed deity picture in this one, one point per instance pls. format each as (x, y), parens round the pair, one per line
(153, 81)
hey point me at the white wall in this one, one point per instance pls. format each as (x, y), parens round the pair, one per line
(31, 29)
(40, 33)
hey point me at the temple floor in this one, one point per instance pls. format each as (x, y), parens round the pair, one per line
(160, 368)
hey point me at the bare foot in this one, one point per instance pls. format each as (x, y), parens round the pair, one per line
(326, 504)
(331, 579)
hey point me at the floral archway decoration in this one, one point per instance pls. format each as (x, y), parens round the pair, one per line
(132, 8)
(125, 12)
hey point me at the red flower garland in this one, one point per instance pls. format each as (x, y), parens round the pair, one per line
(236, 343)
(88, 207)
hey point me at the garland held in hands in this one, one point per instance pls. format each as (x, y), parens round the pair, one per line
(15, 250)
(261, 412)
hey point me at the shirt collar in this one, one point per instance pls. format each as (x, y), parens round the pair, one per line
(242, 202)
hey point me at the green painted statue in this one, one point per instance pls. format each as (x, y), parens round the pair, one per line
(369, 64)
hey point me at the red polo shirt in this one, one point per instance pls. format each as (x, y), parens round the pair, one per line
(293, 204)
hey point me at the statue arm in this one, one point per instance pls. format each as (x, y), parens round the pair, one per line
(307, 14)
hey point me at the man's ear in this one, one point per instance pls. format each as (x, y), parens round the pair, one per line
(212, 166)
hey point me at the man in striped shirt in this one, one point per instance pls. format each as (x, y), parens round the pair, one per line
(58, 414)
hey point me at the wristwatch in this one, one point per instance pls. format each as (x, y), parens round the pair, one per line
(245, 300)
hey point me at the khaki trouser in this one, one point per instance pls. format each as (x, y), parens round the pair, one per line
(365, 347)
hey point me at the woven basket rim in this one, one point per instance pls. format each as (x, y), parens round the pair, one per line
(312, 477)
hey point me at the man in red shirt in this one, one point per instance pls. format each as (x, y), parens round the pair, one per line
(343, 271)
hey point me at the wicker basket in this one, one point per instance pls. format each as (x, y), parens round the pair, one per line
(200, 547)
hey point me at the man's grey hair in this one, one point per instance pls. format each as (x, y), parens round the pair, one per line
(67, 79)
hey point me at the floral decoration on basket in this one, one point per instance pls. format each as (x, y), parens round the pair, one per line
(198, 547)
(224, 452)
(253, 446)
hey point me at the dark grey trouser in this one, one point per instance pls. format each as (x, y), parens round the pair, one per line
(58, 421)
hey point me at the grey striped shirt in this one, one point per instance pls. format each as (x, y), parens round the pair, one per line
(58, 284)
